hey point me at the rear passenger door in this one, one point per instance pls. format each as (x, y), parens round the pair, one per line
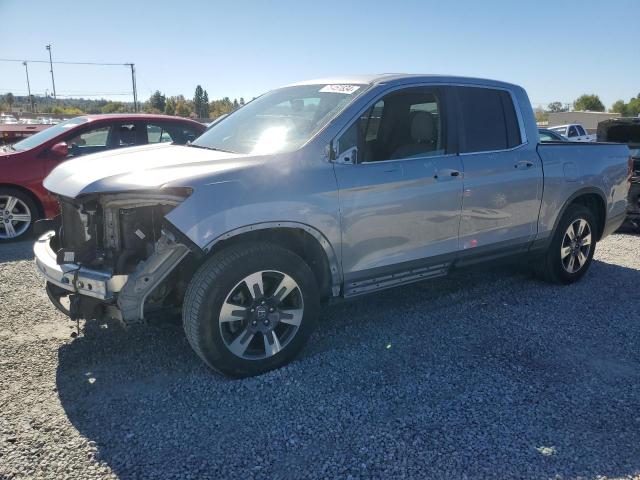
(502, 172)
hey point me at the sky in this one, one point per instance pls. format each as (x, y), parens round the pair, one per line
(557, 50)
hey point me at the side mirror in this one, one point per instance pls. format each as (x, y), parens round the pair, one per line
(59, 150)
(350, 156)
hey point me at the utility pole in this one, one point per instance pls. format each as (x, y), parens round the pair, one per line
(26, 69)
(133, 84)
(53, 82)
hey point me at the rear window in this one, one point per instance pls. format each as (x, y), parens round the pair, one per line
(489, 119)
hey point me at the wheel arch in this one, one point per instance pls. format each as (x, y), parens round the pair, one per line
(592, 198)
(307, 242)
(27, 192)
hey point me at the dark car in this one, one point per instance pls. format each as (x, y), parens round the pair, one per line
(25, 164)
(626, 130)
(547, 135)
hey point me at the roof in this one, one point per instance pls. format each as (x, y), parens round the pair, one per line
(400, 78)
(136, 116)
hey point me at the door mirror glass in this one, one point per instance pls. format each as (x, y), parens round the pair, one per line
(59, 150)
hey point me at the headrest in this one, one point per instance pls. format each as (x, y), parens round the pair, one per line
(422, 127)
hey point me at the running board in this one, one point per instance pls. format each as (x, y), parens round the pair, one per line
(361, 287)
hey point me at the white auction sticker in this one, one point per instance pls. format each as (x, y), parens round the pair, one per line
(347, 89)
(69, 256)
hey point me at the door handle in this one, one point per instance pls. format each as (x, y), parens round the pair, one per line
(448, 172)
(524, 164)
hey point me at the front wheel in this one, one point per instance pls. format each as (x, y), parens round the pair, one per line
(18, 212)
(250, 309)
(572, 247)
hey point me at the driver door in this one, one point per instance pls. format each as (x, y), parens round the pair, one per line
(400, 190)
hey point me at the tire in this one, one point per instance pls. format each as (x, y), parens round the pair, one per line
(18, 213)
(241, 333)
(567, 260)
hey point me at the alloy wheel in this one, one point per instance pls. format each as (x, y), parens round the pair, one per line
(261, 315)
(15, 217)
(576, 246)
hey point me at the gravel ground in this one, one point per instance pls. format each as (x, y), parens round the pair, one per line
(490, 374)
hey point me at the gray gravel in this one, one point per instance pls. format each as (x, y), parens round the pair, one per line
(490, 374)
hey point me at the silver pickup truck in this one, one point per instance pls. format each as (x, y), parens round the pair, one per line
(319, 190)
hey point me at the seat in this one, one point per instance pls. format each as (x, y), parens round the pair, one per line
(423, 136)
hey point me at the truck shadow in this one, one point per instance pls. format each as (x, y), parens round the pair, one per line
(464, 376)
(15, 251)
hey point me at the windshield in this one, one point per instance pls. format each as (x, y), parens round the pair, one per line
(635, 152)
(48, 133)
(279, 121)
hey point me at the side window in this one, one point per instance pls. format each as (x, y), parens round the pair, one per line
(404, 124)
(126, 135)
(573, 131)
(490, 121)
(89, 141)
(157, 134)
(581, 131)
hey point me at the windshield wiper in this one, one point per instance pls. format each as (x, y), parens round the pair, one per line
(210, 148)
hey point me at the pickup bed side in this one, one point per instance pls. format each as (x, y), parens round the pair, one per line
(590, 170)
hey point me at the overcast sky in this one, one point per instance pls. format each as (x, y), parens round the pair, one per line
(240, 48)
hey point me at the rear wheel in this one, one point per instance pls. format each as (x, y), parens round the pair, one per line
(18, 212)
(572, 247)
(250, 309)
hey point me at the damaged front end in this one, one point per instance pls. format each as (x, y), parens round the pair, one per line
(115, 255)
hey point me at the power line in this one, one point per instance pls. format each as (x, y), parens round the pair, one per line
(130, 65)
(65, 62)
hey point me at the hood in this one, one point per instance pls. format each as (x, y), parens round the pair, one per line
(140, 168)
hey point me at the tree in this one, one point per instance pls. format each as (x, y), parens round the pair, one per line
(241, 101)
(114, 107)
(9, 100)
(157, 102)
(170, 106)
(555, 107)
(633, 107)
(183, 107)
(198, 102)
(588, 102)
(620, 107)
(205, 105)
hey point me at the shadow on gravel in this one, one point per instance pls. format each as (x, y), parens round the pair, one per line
(479, 375)
(11, 252)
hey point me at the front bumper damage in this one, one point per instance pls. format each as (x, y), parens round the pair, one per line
(121, 296)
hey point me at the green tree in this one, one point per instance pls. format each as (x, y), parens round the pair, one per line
(170, 106)
(157, 102)
(66, 110)
(555, 107)
(588, 102)
(620, 107)
(241, 101)
(198, 101)
(633, 107)
(184, 108)
(205, 105)
(114, 107)
(9, 100)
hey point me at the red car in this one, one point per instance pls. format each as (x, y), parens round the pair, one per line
(25, 164)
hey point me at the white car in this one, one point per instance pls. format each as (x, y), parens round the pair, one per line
(574, 132)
